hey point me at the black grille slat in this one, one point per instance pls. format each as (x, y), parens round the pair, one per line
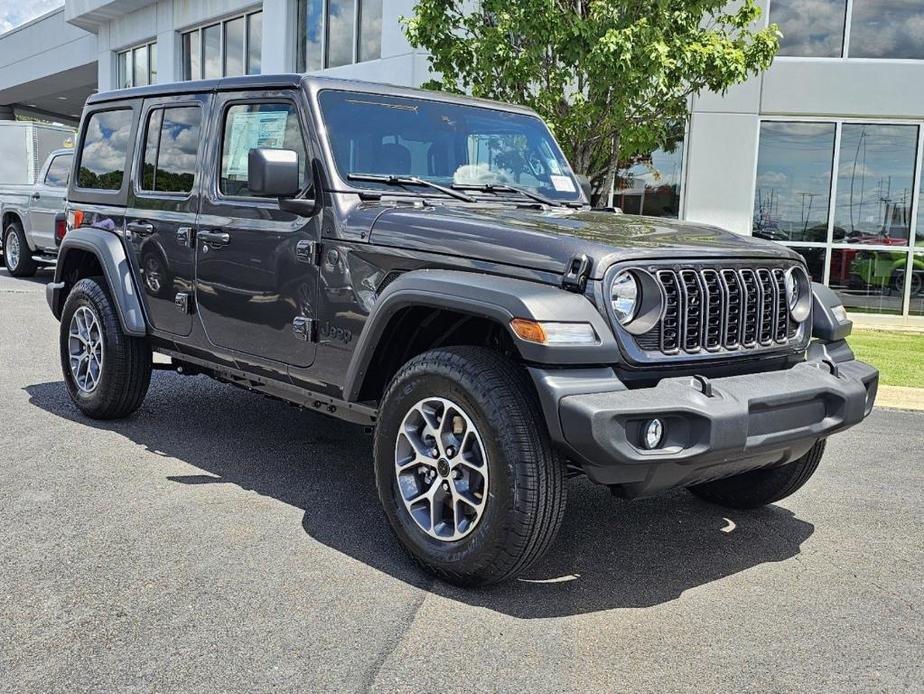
(716, 309)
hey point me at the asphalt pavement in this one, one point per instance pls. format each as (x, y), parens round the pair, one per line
(221, 541)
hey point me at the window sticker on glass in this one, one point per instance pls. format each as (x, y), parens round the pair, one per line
(563, 184)
(263, 129)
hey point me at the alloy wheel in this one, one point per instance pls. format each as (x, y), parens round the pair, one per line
(12, 249)
(85, 349)
(442, 469)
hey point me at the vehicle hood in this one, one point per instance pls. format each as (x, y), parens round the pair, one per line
(548, 240)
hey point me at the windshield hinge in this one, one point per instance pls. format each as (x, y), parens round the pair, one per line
(576, 274)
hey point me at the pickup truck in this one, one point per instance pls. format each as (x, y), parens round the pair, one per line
(31, 233)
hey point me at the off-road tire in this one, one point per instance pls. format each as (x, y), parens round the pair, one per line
(25, 267)
(126, 370)
(761, 487)
(527, 492)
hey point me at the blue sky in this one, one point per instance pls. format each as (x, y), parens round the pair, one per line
(16, 12)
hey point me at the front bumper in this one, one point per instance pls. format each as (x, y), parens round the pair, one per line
(744, 423)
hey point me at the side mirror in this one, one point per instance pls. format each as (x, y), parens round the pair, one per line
(273, 173)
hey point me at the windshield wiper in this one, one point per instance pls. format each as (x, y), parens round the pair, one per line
(393, 180)
(504, 188)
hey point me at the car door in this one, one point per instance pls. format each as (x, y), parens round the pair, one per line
(163, 201)
(48, 197)
(256, 279)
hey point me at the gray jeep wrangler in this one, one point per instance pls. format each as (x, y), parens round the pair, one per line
(428, 266)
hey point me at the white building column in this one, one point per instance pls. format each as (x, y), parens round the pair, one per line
(169, 53)
(279, 32)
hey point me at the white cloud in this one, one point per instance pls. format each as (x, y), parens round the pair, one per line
(16, 12)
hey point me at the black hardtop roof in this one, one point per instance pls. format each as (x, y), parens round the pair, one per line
(291, 81)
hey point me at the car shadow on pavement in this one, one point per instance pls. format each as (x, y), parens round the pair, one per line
(610, 553)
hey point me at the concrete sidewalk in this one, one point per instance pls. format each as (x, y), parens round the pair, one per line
(900, 398)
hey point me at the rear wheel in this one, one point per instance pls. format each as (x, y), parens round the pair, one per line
(761, 487)
(464, 467)
(106, 372)
(16, 254)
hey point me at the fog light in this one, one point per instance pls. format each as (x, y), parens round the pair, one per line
(654, 432)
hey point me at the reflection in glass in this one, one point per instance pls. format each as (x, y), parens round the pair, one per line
(919, 233)
(140, 72)
(254, 43)
(815, 259)
(234, 47)
(152, 58)
(652, 185)
(875, 183)
(59, 171)
(151, 139)
(887, 29)
(370, 29)
(869, 281)
(340, 32)
(793, 181)
(211, 39)
(917, 285)
(810, 28)
(125, 74)
(310, 33)
(103, 154)
(192, 69)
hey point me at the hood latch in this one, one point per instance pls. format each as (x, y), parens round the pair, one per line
(576, 274)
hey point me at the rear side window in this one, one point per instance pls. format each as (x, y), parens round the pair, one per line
(105, 149)
(257, 126)
(59, 171)
(170, 148)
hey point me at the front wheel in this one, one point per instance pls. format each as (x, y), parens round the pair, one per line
(106, 372)
(464, 467)
(761, 487)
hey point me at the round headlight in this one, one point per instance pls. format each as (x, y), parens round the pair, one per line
(798, 293)
(624, 296)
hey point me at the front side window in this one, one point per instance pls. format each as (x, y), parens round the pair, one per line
(105, 150)
(257, 126)
(226, 49)
(887, 29)
(445, 143)
(59, 171)
(810, 28)
(794, 166)
(171, 145)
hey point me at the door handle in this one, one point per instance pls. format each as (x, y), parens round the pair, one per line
(140, 228)
(214, 238)
(36, 196)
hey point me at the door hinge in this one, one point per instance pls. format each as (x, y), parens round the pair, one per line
(576, 274)
(182, 303)
(305, 329)
(308, 252)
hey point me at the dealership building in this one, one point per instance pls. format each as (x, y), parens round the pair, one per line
(823, 152)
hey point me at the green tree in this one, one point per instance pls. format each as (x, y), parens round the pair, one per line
(613, 78)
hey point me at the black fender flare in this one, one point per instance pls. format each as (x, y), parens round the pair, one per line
(109, 251)
(500, 299)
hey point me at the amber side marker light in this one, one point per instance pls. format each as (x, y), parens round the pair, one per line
(551, 333)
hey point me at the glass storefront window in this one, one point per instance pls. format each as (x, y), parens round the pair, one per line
(234, 47)
(254, 43)
(875, 184)
(810, 28)
(192, 67)
(652, 185)
(211, 43)
(340, 19)
(310, 33)
(869, 281)
(370, 30)
(887, 29)
(815, 259)
(917, 285)
(137, 66)
(793, 190)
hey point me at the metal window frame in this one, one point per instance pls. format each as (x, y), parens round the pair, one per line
(220, 23)
(130, 62)
(910, 248)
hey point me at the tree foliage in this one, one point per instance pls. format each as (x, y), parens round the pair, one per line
(613, 78)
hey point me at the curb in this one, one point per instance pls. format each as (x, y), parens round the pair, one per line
(900, 398)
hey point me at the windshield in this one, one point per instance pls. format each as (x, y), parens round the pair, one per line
(444, 143)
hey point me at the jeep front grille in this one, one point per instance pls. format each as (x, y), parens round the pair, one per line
(714, 309)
